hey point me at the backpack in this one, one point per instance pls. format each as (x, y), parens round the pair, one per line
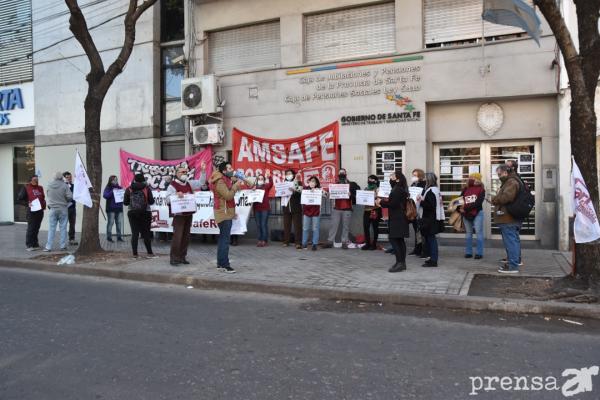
(523, 203)
(138, 200)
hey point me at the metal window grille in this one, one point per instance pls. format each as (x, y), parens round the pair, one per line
(16, 64)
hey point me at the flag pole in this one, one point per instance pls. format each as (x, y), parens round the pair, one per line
(93, 190)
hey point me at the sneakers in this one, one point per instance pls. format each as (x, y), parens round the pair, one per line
(344, 246)
(285, 245)
(478, 257)
(226, 269)
(314, 247)
(150, 256)
(63, 249)
(429, 264)
(304, 247)
(505, 260)
(46, 250)
(29, 249)
(298, 247)
(506, 270)
(73, 243)
(468, 255)
(109, 240)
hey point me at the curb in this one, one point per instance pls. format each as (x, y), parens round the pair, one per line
(454, 302)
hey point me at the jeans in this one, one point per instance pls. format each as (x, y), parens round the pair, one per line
(432, 246)
(34, 220)
(223, 244)
(512, 243)
(262, 224)
(477, 223)
(338, 217)
(307, 223)
(58, 216)
(114, 217)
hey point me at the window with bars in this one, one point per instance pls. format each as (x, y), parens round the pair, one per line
(385, 161)
(16, 64)
(246, 48)
(360, 31)
(172, 75)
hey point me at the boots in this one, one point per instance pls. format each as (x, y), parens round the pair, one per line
(417, 250)
(398, 267)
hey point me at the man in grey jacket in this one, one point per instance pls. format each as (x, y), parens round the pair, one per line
(58, 198)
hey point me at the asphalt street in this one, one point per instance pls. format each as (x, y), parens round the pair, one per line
(71, 337)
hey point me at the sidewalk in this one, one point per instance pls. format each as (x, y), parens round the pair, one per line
(352, 269)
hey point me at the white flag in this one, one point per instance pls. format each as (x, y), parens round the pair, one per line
(585, 227)
(81, 184)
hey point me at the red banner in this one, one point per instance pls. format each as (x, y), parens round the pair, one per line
(316, 153)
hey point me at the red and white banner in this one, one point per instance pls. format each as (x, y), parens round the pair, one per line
(313, 154)
(585, 227)
(156, 171)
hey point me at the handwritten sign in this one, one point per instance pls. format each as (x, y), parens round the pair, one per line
(283, 189)
(365, 197)
(183, 205)
(311, 197)
(256, 196)
(339, 191)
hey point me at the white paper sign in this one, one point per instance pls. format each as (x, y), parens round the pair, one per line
(256, 196)
(473, 169)
(365, 197)
(445, 162)
(35, 205)
(339, 191)
(285, 200)
(445, 170)
(119, 195)
(457, 173)
(203, 198)
(415, 191)
(182, 205)
(384, 189)
(282, 189)
(311, 197)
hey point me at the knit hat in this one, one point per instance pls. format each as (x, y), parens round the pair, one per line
(475, 175)
(139, 178)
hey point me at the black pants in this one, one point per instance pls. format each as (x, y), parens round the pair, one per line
(140, 224)
(400, 249)
(368, 223)
(34, 221)
(72, 217)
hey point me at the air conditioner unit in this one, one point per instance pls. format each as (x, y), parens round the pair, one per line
(199, 95)
(207, 134)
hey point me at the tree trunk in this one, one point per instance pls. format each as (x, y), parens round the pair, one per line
(90, 237)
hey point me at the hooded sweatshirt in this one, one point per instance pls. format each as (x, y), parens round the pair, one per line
(58, 194)
(135, 186)
(223, 192)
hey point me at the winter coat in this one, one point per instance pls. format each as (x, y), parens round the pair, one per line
(429, 223)
(396, 204)
(223, 192)
(135, 186)
(31, 192)
(506, 195)
(109, 195)
(473, 197)
(294, 206)
(58, 194)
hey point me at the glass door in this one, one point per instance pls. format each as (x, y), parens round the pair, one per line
(386, 159)
(23, 169)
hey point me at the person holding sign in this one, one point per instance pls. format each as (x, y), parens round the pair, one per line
(371, 216)
(262, 209)
(114, 195)
(432, 217)
(181, 186)
(312, 213)
(72, 210)
(418, 182)
(342, 212)
(398, 223)
(138, 197)
(32, 195)
(224, 186)
(292, 211)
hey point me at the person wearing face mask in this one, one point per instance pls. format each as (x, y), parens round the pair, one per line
(33, 192)
(472, 211)
(292, 212)
(398, 224)
(72, 210)
(182, 222)
(371, 216)
(432, 219)
(342, 212)
(138, 197)
(312, 217)
(114, 210)
(261, 210)
(418, 180)
(224, 186)
(508, 225)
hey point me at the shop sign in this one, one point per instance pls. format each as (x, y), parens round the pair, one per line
(16, 106)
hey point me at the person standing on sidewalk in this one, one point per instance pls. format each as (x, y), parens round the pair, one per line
(508, 225)
(58, 198)
(138, 197)
(114, 210)
(432, 219)
(398, 224)
(418, 180)
(261, 210)
(224, 186)
(341, 215)
(182, 222)
(28, 194)
(371, 216)
(472, 212)
(72, 210)
(292, 212)
(311, 216)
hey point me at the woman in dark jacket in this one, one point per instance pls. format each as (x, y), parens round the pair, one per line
(371, 216)
(431, 224)
(398, 224)
(114, 210)
(418, 180)
(138, 197)
(292, 213)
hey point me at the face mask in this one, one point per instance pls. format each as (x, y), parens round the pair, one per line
(414, 179)
(114, 182)
(471, 182)
(289, 177)
(183, 178)
(260, 183)
(229, 174)
(342, 177)
(392, 183)
(503, 179)
(312, 184)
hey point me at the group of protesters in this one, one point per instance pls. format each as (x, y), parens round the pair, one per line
(424, 212)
